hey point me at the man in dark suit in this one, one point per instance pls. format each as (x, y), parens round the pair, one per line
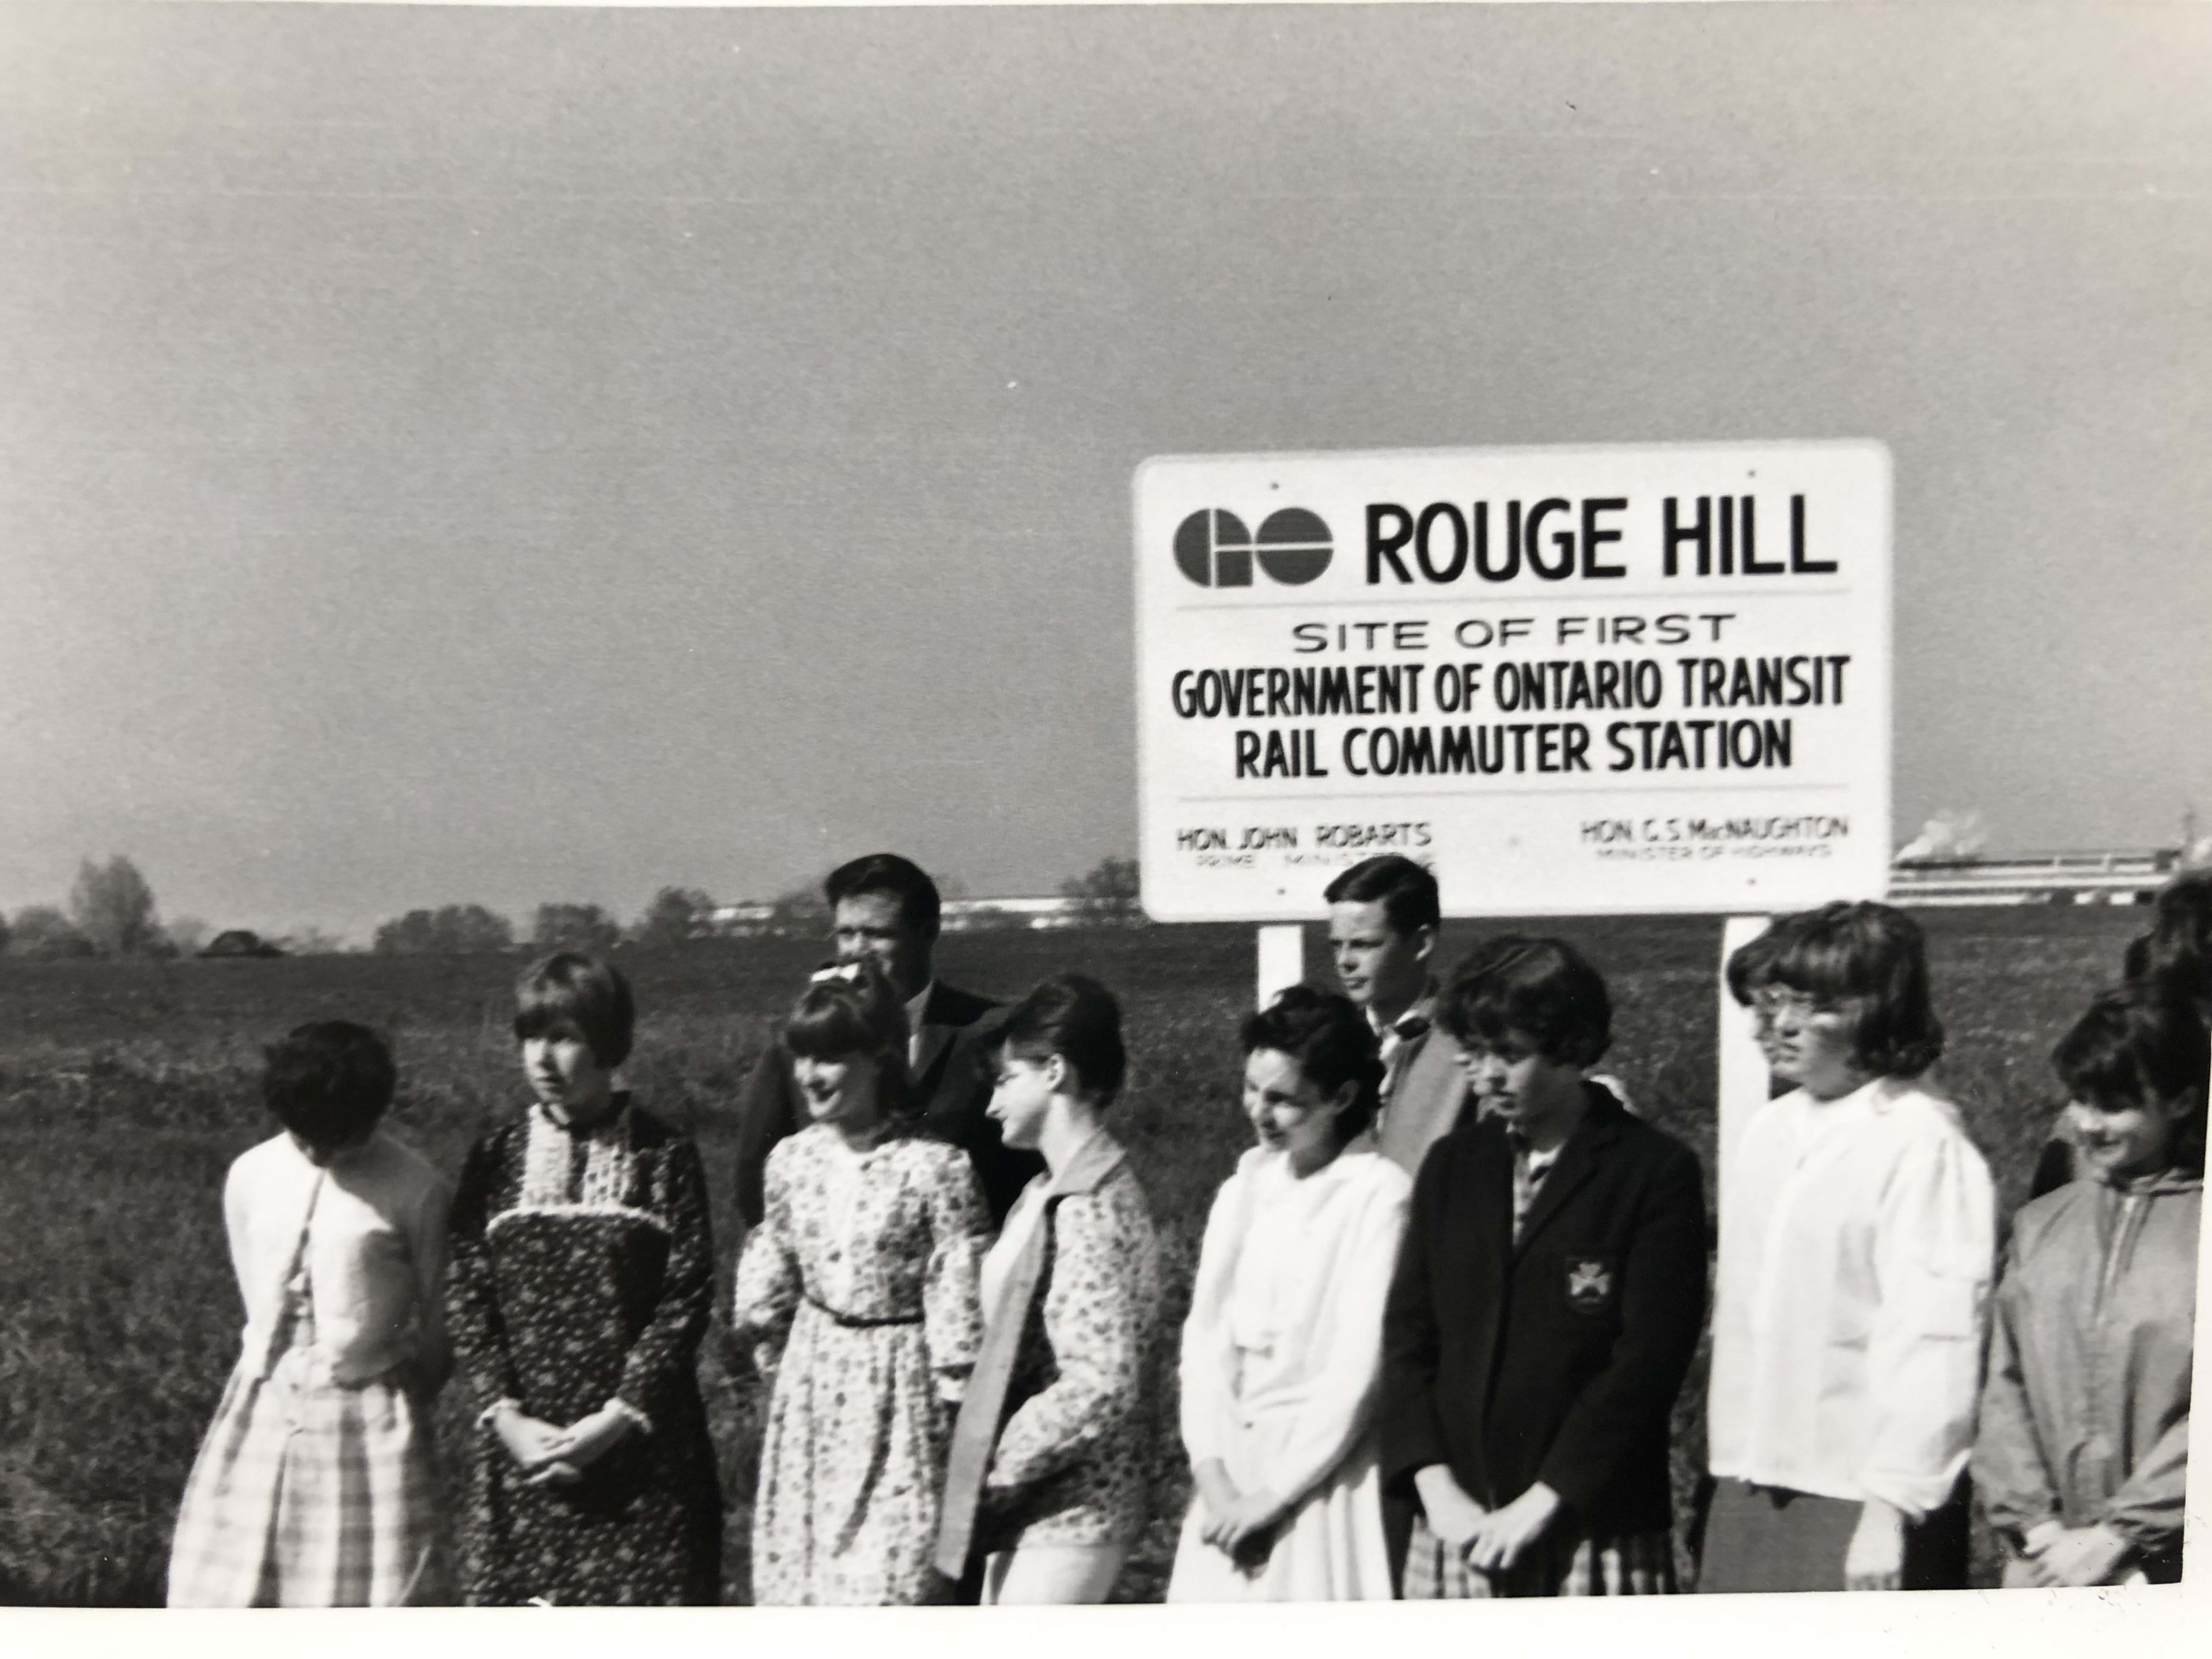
(884, 909)
(1550, 1292)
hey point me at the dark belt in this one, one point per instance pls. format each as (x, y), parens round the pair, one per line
(858, 1322)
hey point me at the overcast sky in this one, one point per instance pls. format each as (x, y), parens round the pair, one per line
(505, 456)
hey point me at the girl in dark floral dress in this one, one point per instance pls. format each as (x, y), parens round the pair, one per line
(581, 1283)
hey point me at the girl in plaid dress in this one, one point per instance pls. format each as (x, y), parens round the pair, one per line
(314, 1486)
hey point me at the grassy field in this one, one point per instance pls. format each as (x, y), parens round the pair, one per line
(125, 1089)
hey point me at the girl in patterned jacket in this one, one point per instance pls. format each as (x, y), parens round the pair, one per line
(1053, 1433)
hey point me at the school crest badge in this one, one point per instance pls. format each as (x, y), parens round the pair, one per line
(1590, 1284)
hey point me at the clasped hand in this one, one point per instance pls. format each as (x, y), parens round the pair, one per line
(1240, 1524)
(1503, 1535)
(1490, 1540)
(552, 1457)
(2057, 1556)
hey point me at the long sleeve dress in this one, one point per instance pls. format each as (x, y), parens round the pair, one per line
(859, 1293)
(583, 1275)
(1281, 1359)
(2085, 1415)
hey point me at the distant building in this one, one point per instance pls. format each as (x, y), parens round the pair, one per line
(980, 915)
(2115, 877)
(747, 919)
(240, 942)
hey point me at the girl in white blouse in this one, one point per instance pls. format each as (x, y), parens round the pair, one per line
(1858, 1239)
(314, 1486)
(1282, 1352)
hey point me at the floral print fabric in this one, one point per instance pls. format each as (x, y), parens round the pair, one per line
(582, 1273)
(1069, 1467)
(859, 1293)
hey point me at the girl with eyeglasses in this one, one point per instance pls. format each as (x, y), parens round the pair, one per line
(1858, 1233)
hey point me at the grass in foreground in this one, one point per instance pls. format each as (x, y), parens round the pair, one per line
(126, 1088)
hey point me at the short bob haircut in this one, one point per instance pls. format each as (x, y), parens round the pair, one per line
(1408, 892)
(1869, 960)
(587, 995)
(1073, 1016)
(850, 1009)
(328, 1082)
(887, 872)
(1333, 1044)
(2132, 1043)
(2137, 1043)
(2177, 952)
(1544, 989)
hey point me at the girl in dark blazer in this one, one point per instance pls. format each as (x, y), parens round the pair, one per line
(1548, 1300)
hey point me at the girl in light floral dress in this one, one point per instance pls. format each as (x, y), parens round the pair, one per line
(859, 1293)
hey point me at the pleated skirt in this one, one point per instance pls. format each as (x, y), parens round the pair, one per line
(1562, 1563)
(308, 1493)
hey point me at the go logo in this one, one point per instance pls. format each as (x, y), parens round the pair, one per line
(1214, 549)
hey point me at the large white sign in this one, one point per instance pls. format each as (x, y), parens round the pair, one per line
(1644, 678)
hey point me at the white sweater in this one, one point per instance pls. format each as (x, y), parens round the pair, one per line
(376, 1223)
(1858, 1239)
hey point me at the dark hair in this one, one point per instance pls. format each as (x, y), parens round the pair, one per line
(1746, 967)
(1407, 891)
(1073, 1016)
(887, 872)
(2135, 1043)
(1332, 1042)
(1868, 959)
(328, 1082)
(1544, 989)
(2175, 952)
(850, 1009)
(570, 988)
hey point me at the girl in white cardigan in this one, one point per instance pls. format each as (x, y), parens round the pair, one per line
(1282, 1352)
(314, 1486)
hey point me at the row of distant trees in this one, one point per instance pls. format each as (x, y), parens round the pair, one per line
(1105, 896)
(675, 914)
(111, 912)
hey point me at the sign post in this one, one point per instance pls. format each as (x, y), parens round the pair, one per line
(1743, 1063)
(1282, 959)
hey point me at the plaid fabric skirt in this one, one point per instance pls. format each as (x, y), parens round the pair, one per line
(309, 1494)
(1562, 1563)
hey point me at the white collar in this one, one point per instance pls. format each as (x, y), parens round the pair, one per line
(915, 1006)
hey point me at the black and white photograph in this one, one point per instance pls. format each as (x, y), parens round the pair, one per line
(989, 805)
